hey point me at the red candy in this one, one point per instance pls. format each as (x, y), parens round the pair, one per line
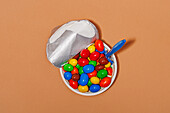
(83, 61)
(92, 74)
(76, 56)
(109, 70)
(94, 56)
(63, 69)
(73, 84)
(85, 53)
(105, 82)
(99, 45)
(74, 71)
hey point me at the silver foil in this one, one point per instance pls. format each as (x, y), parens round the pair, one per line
(69, 39)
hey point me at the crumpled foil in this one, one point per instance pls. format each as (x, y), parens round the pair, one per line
(66, 42)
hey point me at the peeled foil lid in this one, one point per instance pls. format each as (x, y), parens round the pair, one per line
(69, 39)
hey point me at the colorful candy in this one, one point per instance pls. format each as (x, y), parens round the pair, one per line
(94, 80)
(74, 71)
(88, 68)
(105, 82)
(103, 61)
(99, 45)
(94, 56)
(109, 70)
(83, 79)
(83, 61)
(75, 77)
(92, 74)
(108, 65)
(83, 89)
(73, 84)
(94, 88)
(99, 67)
(102, 73)
(85, 53)
(67, 75)
(91, 48)
(68, 67)
(81, 70)
(94, 63)
(73, 62)
(88, 71)
(89, 83)
(78, 66)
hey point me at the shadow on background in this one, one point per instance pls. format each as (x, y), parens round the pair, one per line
(129, 42)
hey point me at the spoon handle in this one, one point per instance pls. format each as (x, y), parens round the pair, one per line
(116, 47)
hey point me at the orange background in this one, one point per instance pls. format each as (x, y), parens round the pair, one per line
(29, 83)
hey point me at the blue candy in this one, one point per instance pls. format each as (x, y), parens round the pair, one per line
(94, 88)
(83, 79)
(101, 52)
(88, 68)
(67, 75)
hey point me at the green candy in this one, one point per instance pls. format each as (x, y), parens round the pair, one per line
(94, 63)
(102, 73)
(68, 67)
(78, 66)
(81, 70)
(89, 83)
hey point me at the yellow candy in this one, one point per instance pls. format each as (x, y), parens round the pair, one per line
(91, 48)
(95, 80)
(83, 89)
(88, 59)
(73, 62)
(108, 65)
(98, 63)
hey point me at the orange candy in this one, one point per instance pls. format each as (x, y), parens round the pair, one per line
(74, 71)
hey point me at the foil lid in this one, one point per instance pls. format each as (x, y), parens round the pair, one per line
(69, 39)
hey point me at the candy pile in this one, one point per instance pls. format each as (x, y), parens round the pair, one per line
(90, 69)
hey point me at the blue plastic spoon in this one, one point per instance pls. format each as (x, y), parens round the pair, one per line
(115, 48)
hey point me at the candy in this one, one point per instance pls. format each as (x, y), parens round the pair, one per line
(83, 89)
(94, 88)
(74, 71)
(67, 75)
(68, 67)
(73, 62)
(99, 67)
(89, 83)
(85, 53)
(92, 74)
(73, 84)
(91, 48)
(108, 65)
(94, 56)
(102, 73)
(76, 56)
(103, 61)
(78, 66)
(109, 70)
(83, 61)
(93, 63)
(105, 82)
(101, 52)
(83, 79)
(99, 45)
(63, 69)
(88, 68)
(81, 70)
(94, 80)
(75, 77)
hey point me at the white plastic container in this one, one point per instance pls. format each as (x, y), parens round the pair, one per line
(114, 67)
